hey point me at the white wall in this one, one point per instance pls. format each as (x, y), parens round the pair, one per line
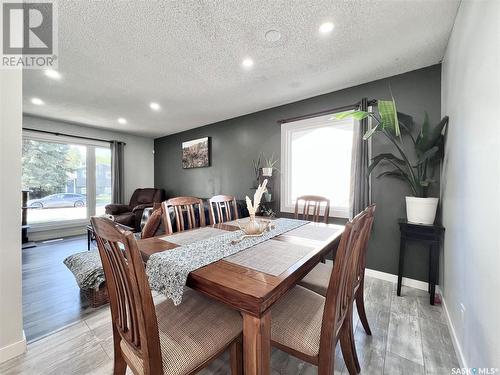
(138, 159)
(471, 182)
(12, 341)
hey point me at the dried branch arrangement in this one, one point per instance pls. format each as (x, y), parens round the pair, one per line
(253, 208)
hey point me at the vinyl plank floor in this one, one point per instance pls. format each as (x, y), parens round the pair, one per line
(409, 335)
(51, 297)
(403, 337)
(396, 365)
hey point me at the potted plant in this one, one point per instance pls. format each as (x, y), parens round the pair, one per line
(416, 172)
(268, 212)
(268, 196)
(269, 165)
(256, 170)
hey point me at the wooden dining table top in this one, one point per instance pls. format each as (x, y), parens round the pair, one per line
(250, 291)
(246, 289)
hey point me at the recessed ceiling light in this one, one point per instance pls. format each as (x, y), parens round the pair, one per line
(273, 35)
(54, 74)
(37, 101)
(122, 121)
(154, 106)
(326, 27)
(247, 62)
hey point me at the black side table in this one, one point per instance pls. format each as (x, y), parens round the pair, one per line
(429, 234)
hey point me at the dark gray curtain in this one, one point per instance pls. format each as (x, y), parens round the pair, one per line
(360, 181)
(117, 171)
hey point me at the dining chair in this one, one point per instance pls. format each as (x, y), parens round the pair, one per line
(307, 325)
(185, 211)
(319, 278)
(165, 339)
(151, 222)
(313, 202)
(223, 205)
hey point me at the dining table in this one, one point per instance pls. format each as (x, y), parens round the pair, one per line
(252, 290)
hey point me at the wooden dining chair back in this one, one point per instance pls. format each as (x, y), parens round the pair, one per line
(186, 211)
(223, 204)
(340, 294)
(359, 287)
(135, 326)
(314, 203)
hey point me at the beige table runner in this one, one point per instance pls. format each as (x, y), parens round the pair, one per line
(272, 257)
(314, 231)
(188, 237)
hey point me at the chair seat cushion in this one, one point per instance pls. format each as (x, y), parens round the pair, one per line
(318, 279)
(191, 333)
(296, 320)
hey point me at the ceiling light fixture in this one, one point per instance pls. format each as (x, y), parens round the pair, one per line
(54, 74)
(37, 101)
(122, 121)
(154, 106)
(247, 63)
(326, 27)
(272, 35)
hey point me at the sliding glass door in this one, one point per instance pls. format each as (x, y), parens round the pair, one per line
(69, 180)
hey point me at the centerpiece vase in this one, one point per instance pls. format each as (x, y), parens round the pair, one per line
(252, 226)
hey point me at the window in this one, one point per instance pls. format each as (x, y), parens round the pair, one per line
(102, 179)
(316, 160)
(69, 179)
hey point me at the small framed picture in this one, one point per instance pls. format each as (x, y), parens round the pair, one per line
(196, 153)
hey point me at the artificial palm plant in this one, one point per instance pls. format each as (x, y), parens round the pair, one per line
(428, 145)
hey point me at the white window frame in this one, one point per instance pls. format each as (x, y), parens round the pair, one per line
(286, 204)
(90, 176)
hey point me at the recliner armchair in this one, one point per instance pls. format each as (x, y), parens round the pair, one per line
(130, 214)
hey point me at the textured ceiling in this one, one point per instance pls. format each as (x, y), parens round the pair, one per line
(117, 56)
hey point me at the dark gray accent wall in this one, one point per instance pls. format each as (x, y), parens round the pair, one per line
(237, 141)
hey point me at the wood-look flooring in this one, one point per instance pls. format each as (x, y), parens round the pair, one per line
(51, 297)
(409, 337)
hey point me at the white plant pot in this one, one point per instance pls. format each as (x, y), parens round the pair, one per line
(421, 210)
(268, 172)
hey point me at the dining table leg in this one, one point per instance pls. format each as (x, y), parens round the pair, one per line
(257, 344)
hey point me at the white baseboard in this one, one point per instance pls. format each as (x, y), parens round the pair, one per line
(412, 283)
(453, 333)
(13, 350)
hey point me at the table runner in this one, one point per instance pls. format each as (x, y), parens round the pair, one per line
(279, 256)
(244, 220)
(188, 237)
(168, 270)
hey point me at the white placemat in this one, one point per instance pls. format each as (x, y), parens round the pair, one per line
(188, 237)
(314, 231)
(272, 257)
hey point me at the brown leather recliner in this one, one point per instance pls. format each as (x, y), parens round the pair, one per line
(130, 214)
